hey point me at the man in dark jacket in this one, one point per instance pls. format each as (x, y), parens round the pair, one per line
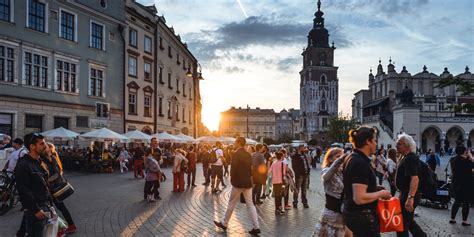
(301, 167)
(241, 180)
(31, 182)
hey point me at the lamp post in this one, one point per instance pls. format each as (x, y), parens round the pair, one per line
(248, 108)
(196, 75)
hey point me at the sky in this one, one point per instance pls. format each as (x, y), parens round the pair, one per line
(250, 51)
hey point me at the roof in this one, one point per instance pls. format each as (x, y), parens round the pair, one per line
(376, 102)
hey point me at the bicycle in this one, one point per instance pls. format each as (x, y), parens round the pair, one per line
(8, 193)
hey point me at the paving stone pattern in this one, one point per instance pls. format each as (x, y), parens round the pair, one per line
(113, 205)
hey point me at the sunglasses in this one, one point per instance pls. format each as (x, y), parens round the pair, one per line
(34, 137)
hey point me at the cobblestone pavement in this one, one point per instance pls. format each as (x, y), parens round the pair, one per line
(113, 205)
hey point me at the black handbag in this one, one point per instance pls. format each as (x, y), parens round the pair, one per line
(61, 188)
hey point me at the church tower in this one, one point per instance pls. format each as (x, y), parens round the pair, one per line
(319, 90)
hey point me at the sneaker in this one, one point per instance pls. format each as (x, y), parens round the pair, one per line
(254, 231)
(158, 198)
(71, 229)
(295, 206)
(279, 212)
(220, 225)
(305, 206)
(287, 207)
(465, 224)
(452, 221)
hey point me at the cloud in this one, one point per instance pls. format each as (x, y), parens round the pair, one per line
(382, 7)
(234, 69)
(271, 31)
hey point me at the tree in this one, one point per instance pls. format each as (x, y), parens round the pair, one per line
(462, 85)
(285, 138)
(339, 127)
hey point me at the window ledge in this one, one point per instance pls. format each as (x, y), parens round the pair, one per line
(96, 97)
(134, 76)
(68, 41)
(66, 92)
(132, 113)
(36, 87)
(37, 31)
(103, 50)
(12, 83)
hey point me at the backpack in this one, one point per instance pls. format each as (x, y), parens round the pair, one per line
(213, 157)
(428, 183)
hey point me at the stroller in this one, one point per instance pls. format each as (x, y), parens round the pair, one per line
(441, 199)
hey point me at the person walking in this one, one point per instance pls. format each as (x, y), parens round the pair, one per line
(51, 163)
(259, 173)
(123, 158)
(179, 168)
(391, 168)
(152, 177)
(217, 161)
(360, 185)
(241, 180)
(432, 160)
(192, 158)
(278, 172)
(20, 151)
(289, 178)
(407, 180)
(138, 162)
(205, 156)
(301, 167)
(331, 223)
(32, 186)
(462, 185)
(380, 164)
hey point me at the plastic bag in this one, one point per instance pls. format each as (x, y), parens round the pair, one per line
(390, 215)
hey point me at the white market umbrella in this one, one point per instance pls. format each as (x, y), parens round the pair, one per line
(103, 134)
(208, 139)
(250, 141)
(186, 138)
(166, 137)
(60, 133)
(137, 136)
(227, 140)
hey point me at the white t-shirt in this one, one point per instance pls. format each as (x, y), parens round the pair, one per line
(220, 156)
(391, 166)
(13, 158)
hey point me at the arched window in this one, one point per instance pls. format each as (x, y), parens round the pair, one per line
(323, 105)
(323, 79)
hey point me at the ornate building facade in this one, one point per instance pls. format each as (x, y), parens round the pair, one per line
(426, 114)
(252, 123)
(319, 87)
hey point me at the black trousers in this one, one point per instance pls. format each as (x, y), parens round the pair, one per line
(151, 187)
(207, 173)
(256, 193)
(460, 200)
(301, 182)
(278, 192)
(63, 209)
(363, 223)
(409, 222)
(191, 177)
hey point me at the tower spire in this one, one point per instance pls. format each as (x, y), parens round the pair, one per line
(319, 5)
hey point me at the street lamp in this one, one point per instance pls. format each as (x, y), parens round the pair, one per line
(248, 108)
(199, 72)
(196, 92)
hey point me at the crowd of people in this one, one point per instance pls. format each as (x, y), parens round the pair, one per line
(353, 180)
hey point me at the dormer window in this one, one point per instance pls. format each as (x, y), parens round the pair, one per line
(103, 3)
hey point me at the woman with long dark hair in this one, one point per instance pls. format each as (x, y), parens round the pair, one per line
(360, 185)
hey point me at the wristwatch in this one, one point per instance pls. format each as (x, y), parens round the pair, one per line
(410, 196)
